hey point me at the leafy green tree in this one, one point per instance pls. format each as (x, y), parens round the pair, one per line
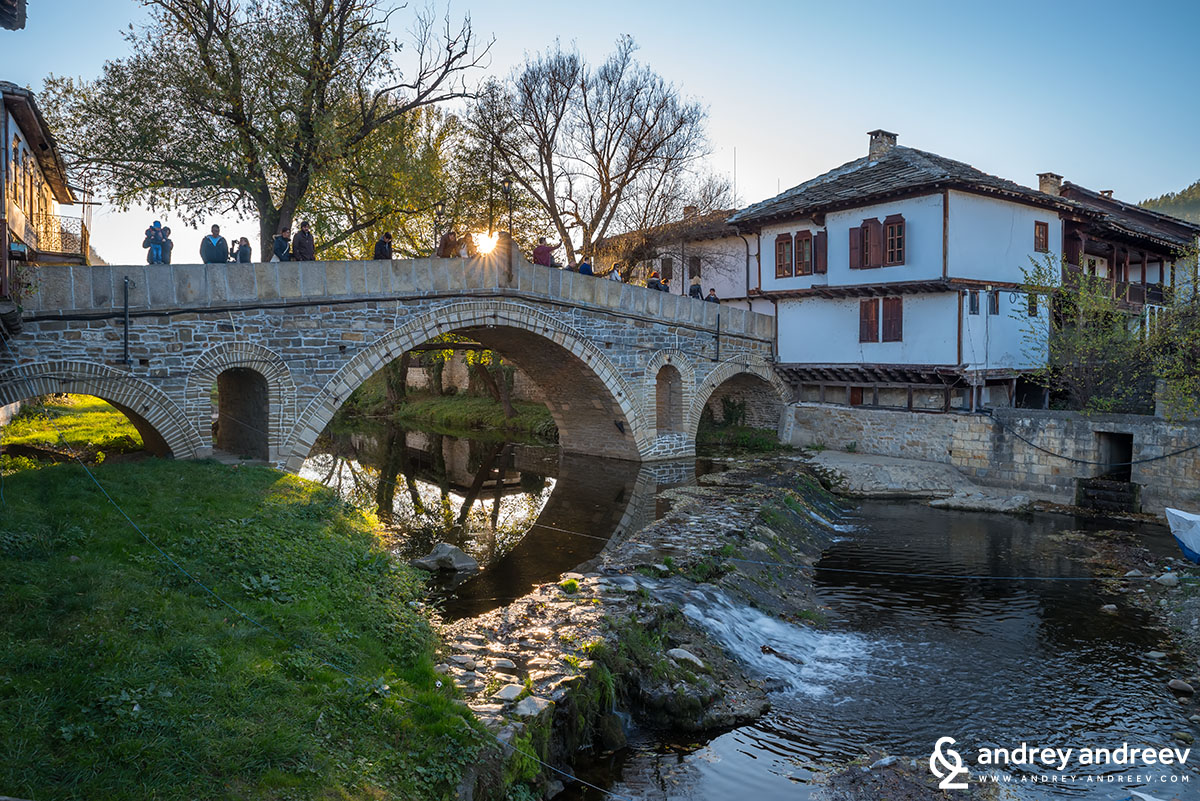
(1093, 354)
(231, 107)
(1176, 343)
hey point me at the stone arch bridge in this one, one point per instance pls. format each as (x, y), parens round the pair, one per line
(274, 349)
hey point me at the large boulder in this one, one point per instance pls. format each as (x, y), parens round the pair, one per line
(445, 556)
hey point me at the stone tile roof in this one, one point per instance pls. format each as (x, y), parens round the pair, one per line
(713, 225)
(1135, 221)
(12, 14)
(899, 170)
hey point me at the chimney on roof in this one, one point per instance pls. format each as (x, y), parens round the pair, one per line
(1106, 192)
(881, 142)
(1050, 183)
(690, 211)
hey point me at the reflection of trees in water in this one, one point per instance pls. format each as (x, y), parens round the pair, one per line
(424, 500)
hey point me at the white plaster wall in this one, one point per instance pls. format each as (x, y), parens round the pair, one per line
(991, 341)
(722, 267)
(992, 240)
(923, 245)
(825, 331)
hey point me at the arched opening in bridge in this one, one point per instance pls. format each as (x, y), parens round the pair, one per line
(743, 400)
(668, 397)
(66, 426)
(243, 414)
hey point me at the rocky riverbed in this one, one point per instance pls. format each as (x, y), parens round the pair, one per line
(575, 664)
(1169, 589)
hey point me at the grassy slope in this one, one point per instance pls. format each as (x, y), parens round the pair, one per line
(121, 679)
(471, 412)
(715, 440)
(88, 425)
(460, 412)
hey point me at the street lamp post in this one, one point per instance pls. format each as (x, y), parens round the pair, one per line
(506, 185)
(439, 209)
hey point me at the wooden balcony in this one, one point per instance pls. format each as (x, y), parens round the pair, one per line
(1129, 295)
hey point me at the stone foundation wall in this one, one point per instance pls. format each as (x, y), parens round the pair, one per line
(995, 450)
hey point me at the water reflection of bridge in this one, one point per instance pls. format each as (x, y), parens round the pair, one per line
(562, 509)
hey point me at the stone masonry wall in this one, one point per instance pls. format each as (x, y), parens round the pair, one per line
(995, 450)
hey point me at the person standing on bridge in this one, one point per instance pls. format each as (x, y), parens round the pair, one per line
(694, 288)
(213, 248)
(585, 267)
(383, 248)
(712, 296)
(243, 254)
(282, 246)
(654, 282)
(153, 241)
(303, 246)
(167, 246)
(543, 254)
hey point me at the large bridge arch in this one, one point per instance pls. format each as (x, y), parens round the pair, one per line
(164, 428)
(589, 399)
(751, 376)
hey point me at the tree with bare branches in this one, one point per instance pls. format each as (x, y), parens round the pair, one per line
(596, 147)
(230, 107)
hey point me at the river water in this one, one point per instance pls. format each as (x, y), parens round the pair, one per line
(1017, 653)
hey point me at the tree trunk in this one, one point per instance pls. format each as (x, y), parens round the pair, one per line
(497, 389)
(395, 376)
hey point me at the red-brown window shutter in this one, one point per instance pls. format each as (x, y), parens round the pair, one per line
(783, 256)
(893, 319)
(856, 260)
(895, 240)
(821, 253)
(1074, 249)
(868, 320)
(875, 238)
(804, 254)
(1041, 237)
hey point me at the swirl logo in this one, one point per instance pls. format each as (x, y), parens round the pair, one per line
(947, 765)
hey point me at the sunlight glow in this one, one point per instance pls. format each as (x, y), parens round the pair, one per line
(485, 244)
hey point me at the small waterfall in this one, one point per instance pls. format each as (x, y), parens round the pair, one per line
(800, 660)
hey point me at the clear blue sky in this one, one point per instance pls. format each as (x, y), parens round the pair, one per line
(1105, 93)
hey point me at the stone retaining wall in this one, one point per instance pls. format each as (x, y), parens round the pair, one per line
(994, 449)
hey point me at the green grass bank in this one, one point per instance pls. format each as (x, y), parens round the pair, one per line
(121, 678)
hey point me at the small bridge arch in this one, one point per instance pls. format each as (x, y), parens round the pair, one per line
(164, 428)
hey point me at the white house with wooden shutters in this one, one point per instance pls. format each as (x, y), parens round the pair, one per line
(896, 277)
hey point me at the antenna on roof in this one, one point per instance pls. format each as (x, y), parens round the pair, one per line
(735, 200)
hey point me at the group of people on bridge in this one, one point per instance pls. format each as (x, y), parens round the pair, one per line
(214, 249)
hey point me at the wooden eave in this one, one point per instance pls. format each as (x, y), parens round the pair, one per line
(20, 103)
(941, 375)
(858, 290)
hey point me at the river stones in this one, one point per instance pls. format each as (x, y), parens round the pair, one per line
(445, 556)
(531, 706)
(1168, 580)
(1109, 609)
(680, 655)
(466, 662)
(1156, 655)
(1180, 686)
(508, 692)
